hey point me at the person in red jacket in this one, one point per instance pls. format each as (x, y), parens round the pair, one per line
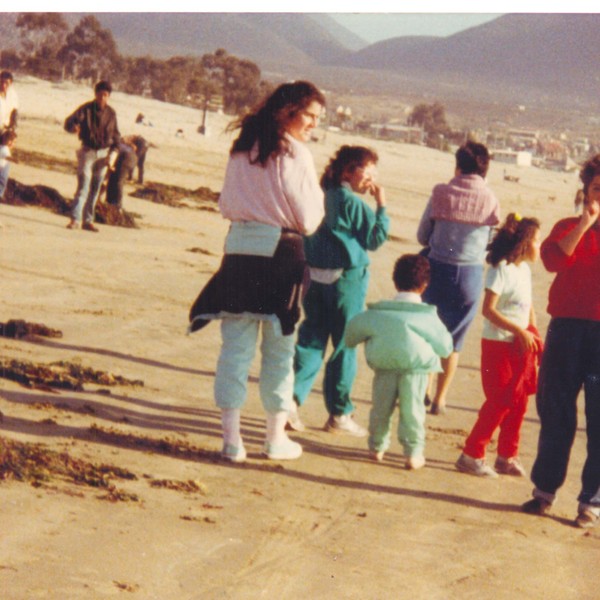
(571, 358)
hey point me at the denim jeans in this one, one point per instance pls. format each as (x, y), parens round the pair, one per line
(571, 360)
(91, 169)
(4, 178)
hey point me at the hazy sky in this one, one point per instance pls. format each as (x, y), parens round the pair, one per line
(374, 27)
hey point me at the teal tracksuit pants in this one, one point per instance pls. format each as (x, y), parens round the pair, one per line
(405, 389)
(327, 310)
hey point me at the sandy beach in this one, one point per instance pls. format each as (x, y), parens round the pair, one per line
(332, 524)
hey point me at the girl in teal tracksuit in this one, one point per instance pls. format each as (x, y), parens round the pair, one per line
(404, 340)
(338, 261)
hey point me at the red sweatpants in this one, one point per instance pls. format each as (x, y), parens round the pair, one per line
(508, 376)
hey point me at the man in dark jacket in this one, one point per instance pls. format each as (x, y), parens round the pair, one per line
(96, 125)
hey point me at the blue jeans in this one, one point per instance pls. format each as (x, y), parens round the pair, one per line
(91, 169)
(4, 178)
(571, 360)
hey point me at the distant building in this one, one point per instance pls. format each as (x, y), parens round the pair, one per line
(400, 133)
(513, 157)
(521, 139)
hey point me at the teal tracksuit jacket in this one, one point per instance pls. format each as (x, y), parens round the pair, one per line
(403, 343)
(349, 230)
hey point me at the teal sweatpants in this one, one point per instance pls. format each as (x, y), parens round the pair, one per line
(276, 381)
(407, 390)
(327, 310)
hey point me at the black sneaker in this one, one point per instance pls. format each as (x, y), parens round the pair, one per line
(536, 506)
(586, 519)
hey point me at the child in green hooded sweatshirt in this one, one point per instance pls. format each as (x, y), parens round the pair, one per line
(404, 340)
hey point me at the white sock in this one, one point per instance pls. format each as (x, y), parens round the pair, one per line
(230, 420)
(276, 427)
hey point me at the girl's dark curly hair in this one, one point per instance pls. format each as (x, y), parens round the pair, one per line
(512, 240)
(346, 159)
(266, 126)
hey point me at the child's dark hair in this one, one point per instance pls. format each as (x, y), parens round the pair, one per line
(473, 158)
(411, 271)
(346, 159)
(8, 136)
(512, 240)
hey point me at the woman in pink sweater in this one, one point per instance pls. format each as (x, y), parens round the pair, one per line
(272, 197)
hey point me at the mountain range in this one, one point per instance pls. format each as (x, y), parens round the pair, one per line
(544, 56)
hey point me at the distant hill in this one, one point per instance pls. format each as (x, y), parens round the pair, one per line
(266, 38)
(553, 53)
(547, 59)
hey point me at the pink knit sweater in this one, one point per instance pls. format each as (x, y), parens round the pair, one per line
(465, 199)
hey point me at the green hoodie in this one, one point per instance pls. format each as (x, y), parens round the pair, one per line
(400, 336)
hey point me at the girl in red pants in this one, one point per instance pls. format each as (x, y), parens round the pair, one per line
(509, 348)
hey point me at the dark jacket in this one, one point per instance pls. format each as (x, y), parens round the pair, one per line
(98, 128)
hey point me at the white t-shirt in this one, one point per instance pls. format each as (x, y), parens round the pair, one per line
(7, 105)
(512, 284)
(4, 154)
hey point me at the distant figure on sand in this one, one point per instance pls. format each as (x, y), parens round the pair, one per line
(510, 347)
(124, 165)
(338, 258)
(571, 359)
(404, 339)
(132, 153)
(7, 139)
(141, 147)
(456, 228)
(95, 123)
(9, 102)
(272, 197)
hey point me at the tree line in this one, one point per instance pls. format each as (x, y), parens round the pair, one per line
(49, 49)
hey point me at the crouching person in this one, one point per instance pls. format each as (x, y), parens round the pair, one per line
(404, 340)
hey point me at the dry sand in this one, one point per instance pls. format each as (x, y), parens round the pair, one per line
(330, 525)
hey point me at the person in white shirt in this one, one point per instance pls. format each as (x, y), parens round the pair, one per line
(272, 197)
(9, 102)
(7, 139)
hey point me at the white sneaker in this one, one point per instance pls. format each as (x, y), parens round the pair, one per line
(415, 462)
(284, 450)
(344, 424)
(475, 466)
(376, 456)
(509, 466)
(236, 454)
(294, 423)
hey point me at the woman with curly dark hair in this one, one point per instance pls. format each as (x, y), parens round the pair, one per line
(338, 261)
(272, 197)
